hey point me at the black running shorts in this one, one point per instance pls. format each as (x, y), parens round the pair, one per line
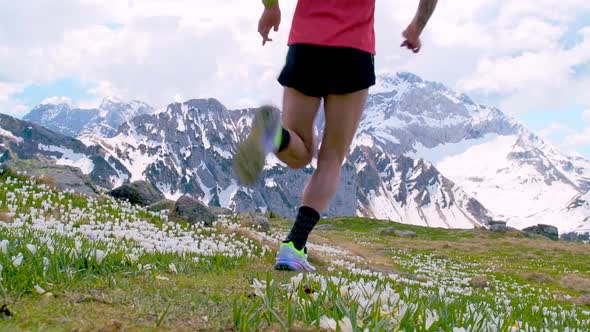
(319, 71)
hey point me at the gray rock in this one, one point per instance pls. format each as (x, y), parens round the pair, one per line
(405, 233)
(388, 231)
(193, 211)
(384, 252)
(164, 204)
(499, 228)
(575, 237)
(138, 192)
(263, 222)
(220, 211)
(324, 227)
(392, 231)
(62, 177)
(547, 231)
(496, 222)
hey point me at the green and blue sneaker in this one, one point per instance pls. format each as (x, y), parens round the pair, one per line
(264, 138)
(291, 259)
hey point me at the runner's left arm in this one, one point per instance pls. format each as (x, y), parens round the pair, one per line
(270, 19)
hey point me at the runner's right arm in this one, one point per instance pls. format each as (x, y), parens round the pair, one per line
(414, 30)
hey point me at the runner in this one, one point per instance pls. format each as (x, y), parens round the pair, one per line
(330, 57)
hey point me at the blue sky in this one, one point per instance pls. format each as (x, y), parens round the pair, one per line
(72, 88)
(530, 58)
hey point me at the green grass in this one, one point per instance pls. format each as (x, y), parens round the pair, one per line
(79, 271)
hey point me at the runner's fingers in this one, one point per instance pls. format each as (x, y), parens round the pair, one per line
(266, 40)
(264, 31)
(410, 46)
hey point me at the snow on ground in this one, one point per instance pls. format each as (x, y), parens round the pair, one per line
(70, 158)
(272, 161)
(135, 161)
(362, 139)
(270, 182)
(170, 194)
(226, 195)
(207, 196)
(10, 135)
(222, 153)
(437, 154)
(181, 127)
(385, 207)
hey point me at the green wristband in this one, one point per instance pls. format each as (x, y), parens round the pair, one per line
(269, 3)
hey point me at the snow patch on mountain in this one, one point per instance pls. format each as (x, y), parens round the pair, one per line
(10, 136)
(520, 192)
(68, 157)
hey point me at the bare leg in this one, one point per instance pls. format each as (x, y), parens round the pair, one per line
(343, 113)
(299, 112)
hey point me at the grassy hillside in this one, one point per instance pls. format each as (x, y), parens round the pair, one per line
(70, 262)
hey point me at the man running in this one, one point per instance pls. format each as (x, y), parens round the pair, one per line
(330, 56)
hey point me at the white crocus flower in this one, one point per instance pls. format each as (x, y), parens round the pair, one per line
(45, 263)
(132, 258)
(327, 323)
(345, 325)
(32, 248)
(100, 255)
(431, 318)
(296, 281)
(259, 287)
(172, 268)
(17, 260)
(39, 290)
(4, 246)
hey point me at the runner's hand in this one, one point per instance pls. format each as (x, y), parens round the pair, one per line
(412, 38)
(270, 19)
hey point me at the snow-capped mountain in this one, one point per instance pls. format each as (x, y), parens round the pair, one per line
(521, 178)
(412, 190)
(21, 140)
(492, 157)
(423, 154)
(188, 149)
(75, 122)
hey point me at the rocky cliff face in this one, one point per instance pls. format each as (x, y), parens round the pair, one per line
(102, 121)
(21, 140)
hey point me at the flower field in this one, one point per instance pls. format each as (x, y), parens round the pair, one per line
(73, 262)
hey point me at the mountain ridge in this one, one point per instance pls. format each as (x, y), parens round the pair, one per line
(187, 148)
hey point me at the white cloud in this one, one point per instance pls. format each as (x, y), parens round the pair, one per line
(8, 104)
(58, 100)
(170, 49)
(577, 140)
(552, 129)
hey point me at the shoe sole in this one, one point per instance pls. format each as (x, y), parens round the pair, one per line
(250, 155)
(289, 266)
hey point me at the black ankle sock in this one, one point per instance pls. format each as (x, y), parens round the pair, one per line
(306, 220)
(286, 137)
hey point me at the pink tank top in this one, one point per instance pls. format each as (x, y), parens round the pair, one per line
(345, 23)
